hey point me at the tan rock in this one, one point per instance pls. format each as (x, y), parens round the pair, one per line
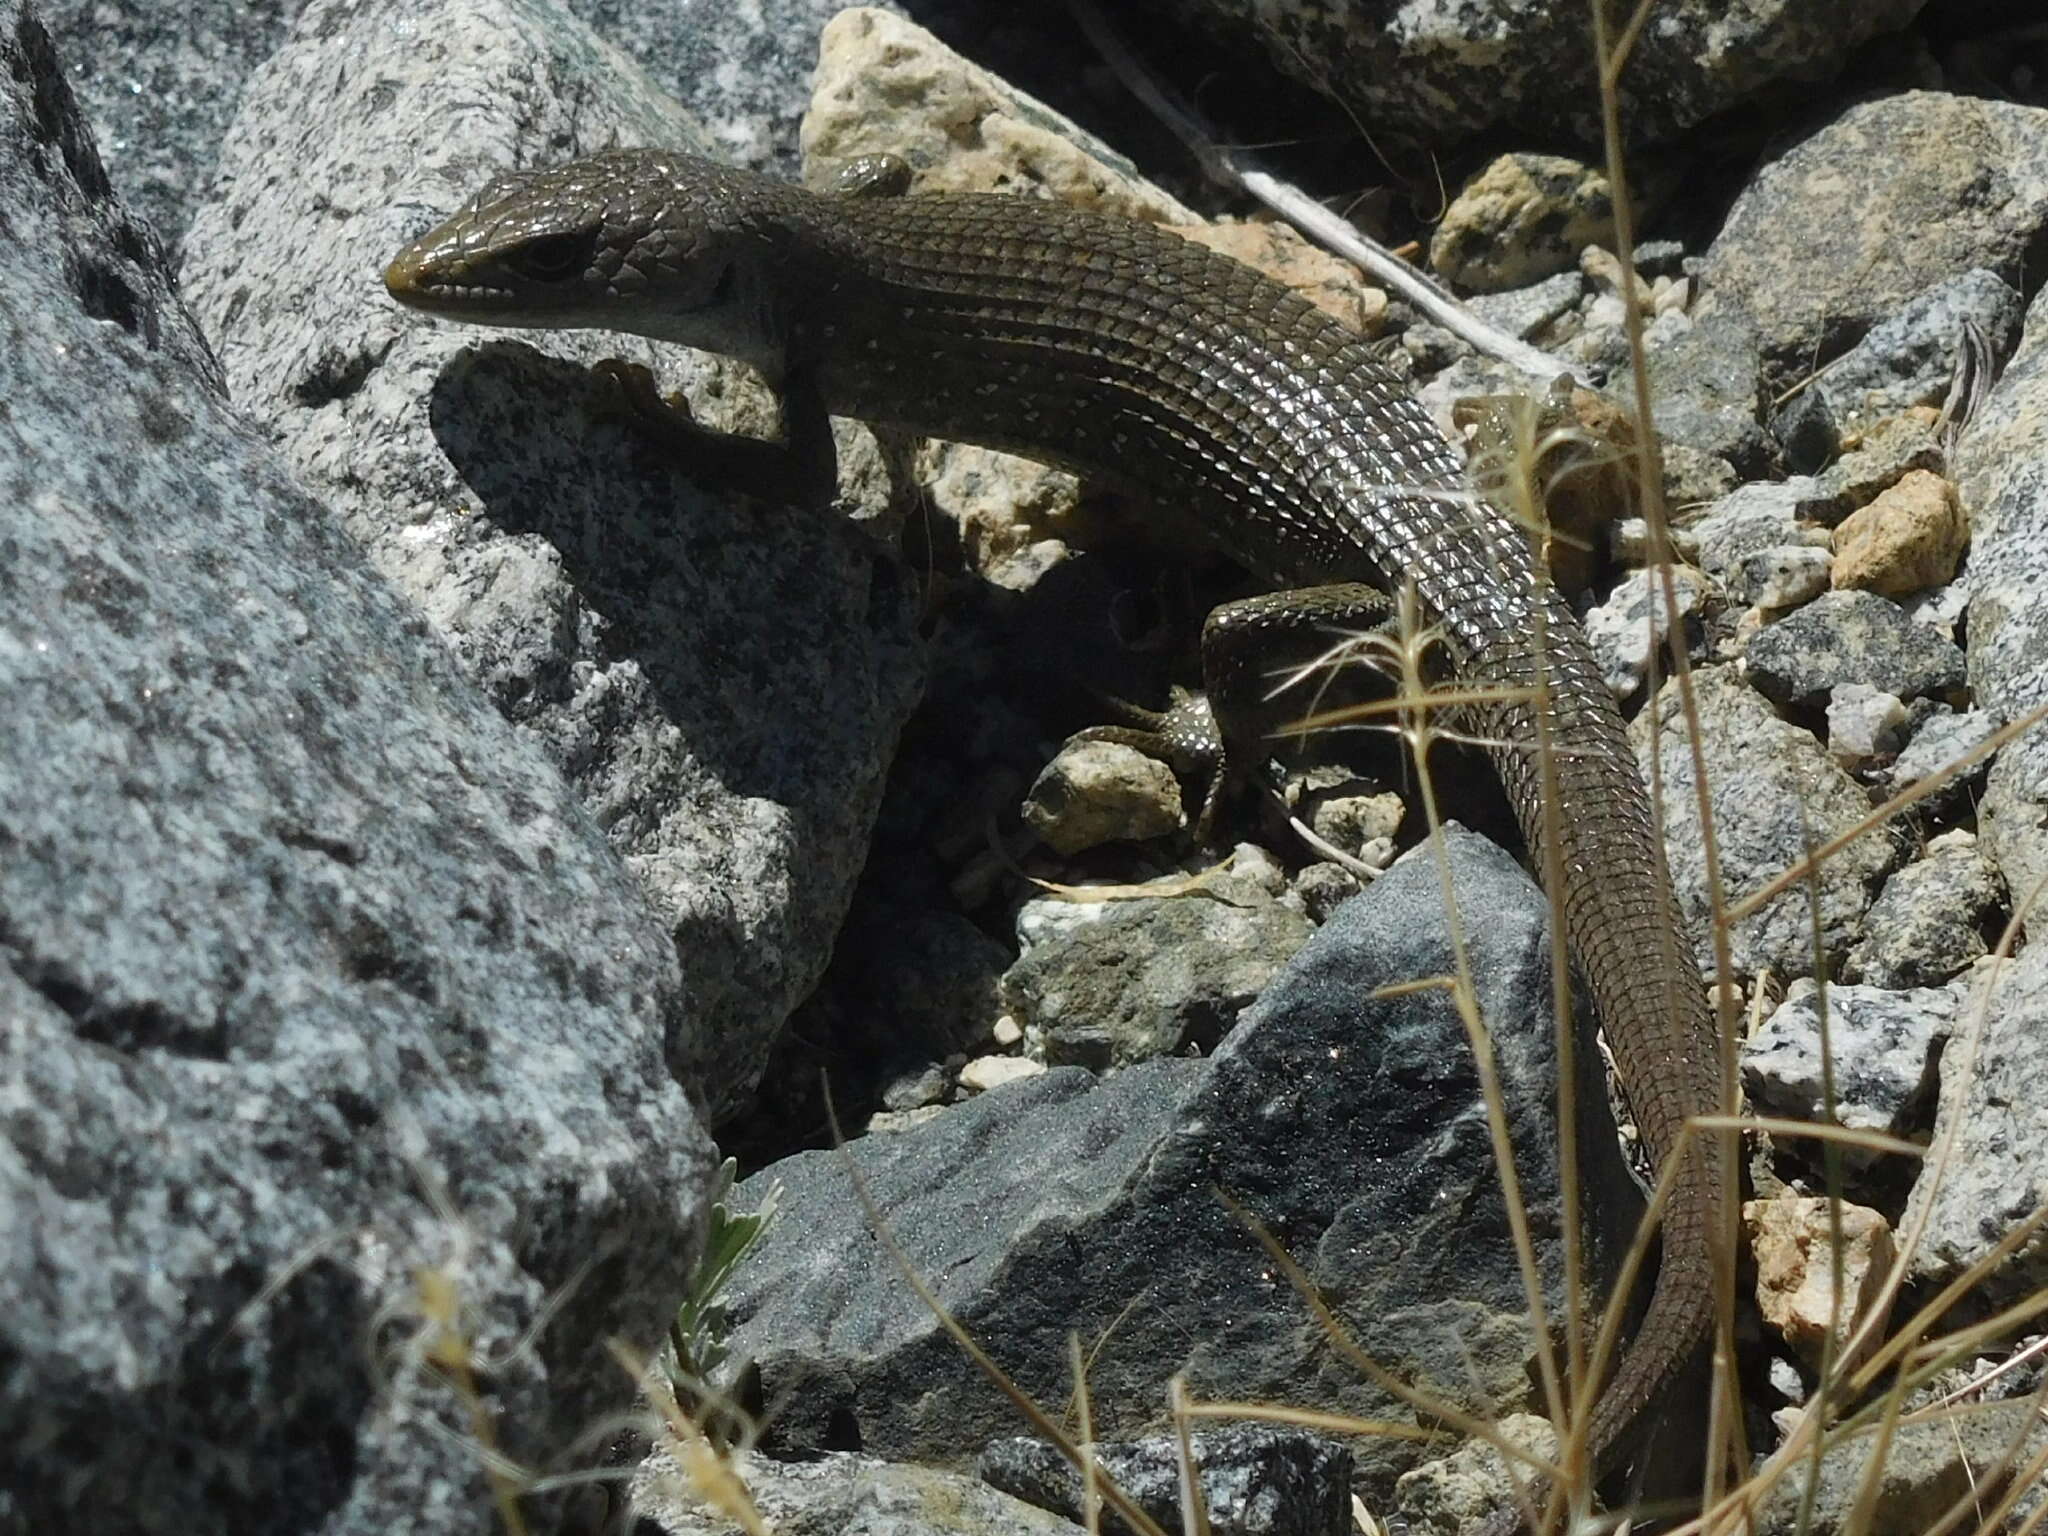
(986, 1072)
(1097, 792)
(887, 86)
(1795, 1273)
(1909, 538)
(1521, 219)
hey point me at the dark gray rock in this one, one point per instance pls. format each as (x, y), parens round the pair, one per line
(1442, 70)
(1776, 794)
(1703, 393)
(721, 681)
(1148, 978)
(331, 1022)
(1932, 918)
(1850, 637)
(1885, 1047)
(2002, 472)
(1256, 1480)
(1849, 225)
(1349, 1126)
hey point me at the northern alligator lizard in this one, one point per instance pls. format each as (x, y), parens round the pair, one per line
(1133, 355)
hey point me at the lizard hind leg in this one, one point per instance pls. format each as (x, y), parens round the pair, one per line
(1267, 661)
(1252, 650)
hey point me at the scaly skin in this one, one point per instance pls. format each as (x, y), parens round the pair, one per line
(1129, 354)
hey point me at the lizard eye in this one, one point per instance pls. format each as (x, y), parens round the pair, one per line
(551, 258)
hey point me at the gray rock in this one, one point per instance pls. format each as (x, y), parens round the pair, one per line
(1150, 978)
(1885, 1047)
(1997, 1175)
(1781, 577)
(1931, 920)
(1703, 384)
(2002, 471)
(743, 71)
(1753, 518)
(1525, 311)
(1929, 1467)
(1850, 637)
(1909, 357)
(1848, 226)
(1633, 622)
(1938, 741)
(1776, 793)
(161, 83)
(1660, 258)
(332, 1023)
(839, 1494)
(1443, 71)
(721, 681)
(1349, 1124)
(1863, 723)
(1256, 1480)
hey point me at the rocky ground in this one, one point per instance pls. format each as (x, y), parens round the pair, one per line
(434, 826)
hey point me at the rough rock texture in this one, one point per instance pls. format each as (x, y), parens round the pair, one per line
(840, 1494)
(323, 1004)
(1812, 1289)
(887, 86)
(1997, 1175)
(2002, 471)
(1850, 637)
(1348, 1125)
(1929, 1467)
(1444, 69)
(1775, 794)
(1150, 978)
(1890, 198)
(1884, 1048)
(721, 681)
(161, 83)
(1256, 1479)
(1933, 918)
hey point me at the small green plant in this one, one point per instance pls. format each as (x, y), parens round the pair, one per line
(697, 1336)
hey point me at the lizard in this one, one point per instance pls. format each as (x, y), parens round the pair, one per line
(1140, 358)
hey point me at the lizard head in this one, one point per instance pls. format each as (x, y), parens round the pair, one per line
(656, 243)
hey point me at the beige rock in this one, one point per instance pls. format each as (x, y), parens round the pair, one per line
(1097, 792)
(887, 86)
(1795, 1280)
(986, 1072)
(1521, 219)
(1909, 538)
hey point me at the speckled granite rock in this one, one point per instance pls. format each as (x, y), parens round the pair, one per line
(327, 1010)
